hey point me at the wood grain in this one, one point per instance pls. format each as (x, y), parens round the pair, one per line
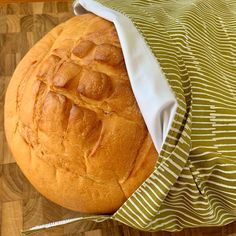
(21, 206)
(24, 1)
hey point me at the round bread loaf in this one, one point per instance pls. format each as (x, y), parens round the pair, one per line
(72, 122)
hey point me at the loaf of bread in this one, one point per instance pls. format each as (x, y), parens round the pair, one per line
(72, 122)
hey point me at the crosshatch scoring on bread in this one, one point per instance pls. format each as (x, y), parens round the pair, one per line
(72, 121)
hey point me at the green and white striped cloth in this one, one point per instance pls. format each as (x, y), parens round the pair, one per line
(194, 182)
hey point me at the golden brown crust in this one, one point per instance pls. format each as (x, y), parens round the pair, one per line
(72, 122)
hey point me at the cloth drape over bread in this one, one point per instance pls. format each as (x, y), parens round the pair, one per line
(194, 182)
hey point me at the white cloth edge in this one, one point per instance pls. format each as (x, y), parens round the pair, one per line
(154, 96)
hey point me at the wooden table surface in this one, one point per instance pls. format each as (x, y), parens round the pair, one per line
(21, 206)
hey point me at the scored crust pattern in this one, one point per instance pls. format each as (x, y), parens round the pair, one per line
(76, 111)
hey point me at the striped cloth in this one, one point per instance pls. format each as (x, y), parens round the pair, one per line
(194, 182)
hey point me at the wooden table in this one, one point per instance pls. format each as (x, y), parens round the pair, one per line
(21, 206)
